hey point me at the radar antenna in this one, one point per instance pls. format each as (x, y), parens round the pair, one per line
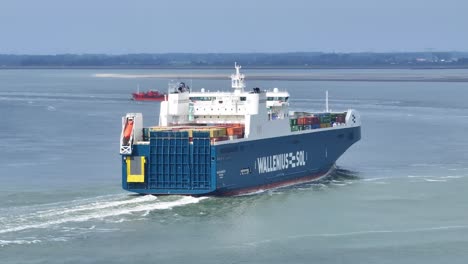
(237, 80)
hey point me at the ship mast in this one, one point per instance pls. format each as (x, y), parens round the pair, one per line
(237, 80)
(326, 102)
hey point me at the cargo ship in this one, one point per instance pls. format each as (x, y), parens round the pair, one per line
(231, 143)
(153, 95)
(148, 96)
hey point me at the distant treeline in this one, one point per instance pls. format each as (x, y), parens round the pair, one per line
(293, 59)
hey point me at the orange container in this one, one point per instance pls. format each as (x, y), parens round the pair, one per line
(232, 125)
(237, 131)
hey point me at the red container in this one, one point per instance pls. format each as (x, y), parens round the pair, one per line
(301, 121)
(340, 119)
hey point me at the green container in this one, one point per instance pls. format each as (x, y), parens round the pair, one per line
(293, 122)
(325, 118)
(294, 128)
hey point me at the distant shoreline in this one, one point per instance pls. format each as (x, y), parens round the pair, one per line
(255, 60)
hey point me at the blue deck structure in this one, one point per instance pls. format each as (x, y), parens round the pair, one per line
(174, 165)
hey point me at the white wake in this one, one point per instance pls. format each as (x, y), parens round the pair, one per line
(85, 210)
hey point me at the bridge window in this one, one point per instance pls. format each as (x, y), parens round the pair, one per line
(202, 98)
(283, 99)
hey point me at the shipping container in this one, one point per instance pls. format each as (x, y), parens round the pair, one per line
(238, 131)
(218, 132)
(340, 119)
(325, 118)
(301, 121)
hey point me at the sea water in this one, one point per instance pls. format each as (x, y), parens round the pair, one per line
(397, 196)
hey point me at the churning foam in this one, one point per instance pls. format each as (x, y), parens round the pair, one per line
(94, 210)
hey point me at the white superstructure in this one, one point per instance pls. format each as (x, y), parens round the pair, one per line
(263, 113)
(260, 113)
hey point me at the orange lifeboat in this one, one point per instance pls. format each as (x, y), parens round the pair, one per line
(128, 129)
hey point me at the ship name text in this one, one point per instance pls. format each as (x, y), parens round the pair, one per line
(281, 161)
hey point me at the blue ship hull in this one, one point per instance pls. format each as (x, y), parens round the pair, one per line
(172, 165)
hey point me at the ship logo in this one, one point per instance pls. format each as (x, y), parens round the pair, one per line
(281, 161)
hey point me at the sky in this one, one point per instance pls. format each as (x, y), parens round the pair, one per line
(200, 26)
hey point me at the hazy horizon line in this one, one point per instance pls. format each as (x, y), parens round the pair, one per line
(247, 52)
